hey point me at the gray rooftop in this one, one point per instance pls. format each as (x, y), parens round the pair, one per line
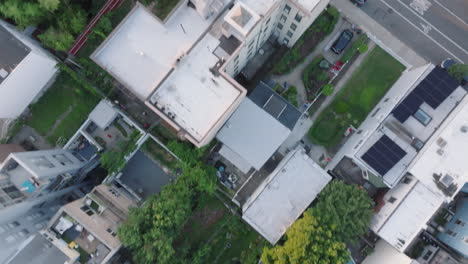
(13, 52)
(275, 105)
(39, 251)
(143, 176)
(253, 133)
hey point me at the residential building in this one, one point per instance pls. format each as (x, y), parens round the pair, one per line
(415, 146)
(193, 56)
(32, 174)
(42, 248)
(384, 253)
(26, 71)
(90, 224)
(455, 233)
(253, 22)
(284, 195)
(257, 128)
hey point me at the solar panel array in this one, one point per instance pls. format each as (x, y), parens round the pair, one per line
(383, 155)
(434, 89)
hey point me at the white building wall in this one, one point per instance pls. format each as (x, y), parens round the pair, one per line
(45, 164)
(293, 23)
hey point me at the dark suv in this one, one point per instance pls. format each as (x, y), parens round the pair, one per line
(343, 40)
(359, 2)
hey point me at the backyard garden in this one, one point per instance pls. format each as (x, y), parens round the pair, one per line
(316, 33)
(316, 76)
(214, 235)
(357, 98)
(61, 110)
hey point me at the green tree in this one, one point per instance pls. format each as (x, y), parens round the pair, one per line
(57, 40)
(309, 240)
(328, 89)
(459, 71)
(23, 13)
(151, 229)
(72, 19)
(49, 5)
(347, 207)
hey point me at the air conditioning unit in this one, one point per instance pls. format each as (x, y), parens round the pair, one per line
(446, 180)
(441, 142)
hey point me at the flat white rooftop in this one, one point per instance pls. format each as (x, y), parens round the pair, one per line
(196, 99)
(399, 223)
(260, 7)
(284, 195)
(309, 5)
(386, 254)
(142, 51)
(446, 153)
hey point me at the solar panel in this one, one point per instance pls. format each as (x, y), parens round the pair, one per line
(383, 155)
(434, 89)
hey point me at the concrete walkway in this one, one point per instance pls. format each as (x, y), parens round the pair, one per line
(294, 78)
(343, 80)
(379, 34)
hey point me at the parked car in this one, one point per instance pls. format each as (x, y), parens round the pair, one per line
(342, 41)
(359, 2)
(447, 63)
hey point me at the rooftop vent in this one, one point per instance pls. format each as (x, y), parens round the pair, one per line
(3, 73)
(447, 180)
(464, 129)
(441, 142)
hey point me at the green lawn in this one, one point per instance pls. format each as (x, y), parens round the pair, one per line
(65, 95)
(227, 236)
(358, 97)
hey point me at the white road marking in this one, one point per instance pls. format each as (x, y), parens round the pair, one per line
(411, 23)
(453, 14)
(427, 22)
(420, 6)
(426, 28)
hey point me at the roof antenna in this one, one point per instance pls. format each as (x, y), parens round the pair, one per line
(183, 29)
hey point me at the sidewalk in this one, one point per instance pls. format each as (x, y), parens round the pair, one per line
(379, 34)
(294, 78)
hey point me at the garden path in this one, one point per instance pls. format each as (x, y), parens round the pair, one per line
(295, 77)
(344, 80)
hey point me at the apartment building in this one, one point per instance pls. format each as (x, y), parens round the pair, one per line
(253, 22)
(42, 248)
(26, 71)
(32, 174)
(183, 68)
(412, 143)
(89, 225)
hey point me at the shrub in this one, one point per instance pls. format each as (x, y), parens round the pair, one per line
(363, 48)
(341, 107)
(328, 89)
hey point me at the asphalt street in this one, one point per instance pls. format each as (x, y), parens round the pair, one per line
(435, 29)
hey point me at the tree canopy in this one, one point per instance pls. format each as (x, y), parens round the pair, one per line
(458, 71)
(341, 214)
(150, 231)
(309, 241)
(347, 207)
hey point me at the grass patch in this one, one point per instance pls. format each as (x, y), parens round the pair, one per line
(160, 154)
(357, 98)
(223, 237)
(163, 133)
(65, 101)
(316, 33)
(358, 46)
